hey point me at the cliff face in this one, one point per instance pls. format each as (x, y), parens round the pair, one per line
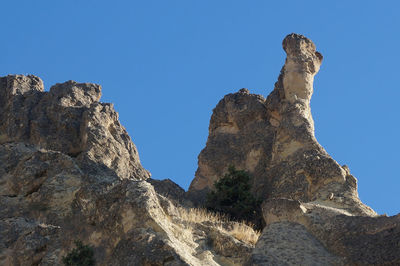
(69, 171)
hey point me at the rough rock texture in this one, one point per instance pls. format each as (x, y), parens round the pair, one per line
(289, 243)
(68, 171)
(345, 239)
(171, 190)
(69, 119)
(239, 135)
(273, 139)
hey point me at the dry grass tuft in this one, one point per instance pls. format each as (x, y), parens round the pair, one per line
(245, 233)
(196, 215)
(239, 230)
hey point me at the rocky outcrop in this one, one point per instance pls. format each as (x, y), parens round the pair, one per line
(69, 171)
(315, 234)
(239, 135)
(172, 191)
(69, 119)
(273, 139)
(235, 138)
(311, 206)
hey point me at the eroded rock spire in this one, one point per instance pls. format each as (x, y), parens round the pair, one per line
(273, 139)
(302, 63)
(294, 88)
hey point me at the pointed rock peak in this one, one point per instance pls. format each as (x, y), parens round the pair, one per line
(302, 63)
(244, 91)
(297, 45)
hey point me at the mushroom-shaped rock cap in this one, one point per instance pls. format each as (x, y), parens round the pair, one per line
(296, 45)
(301, 55)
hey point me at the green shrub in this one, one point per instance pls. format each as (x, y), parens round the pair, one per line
(82, 255)
(232, 196)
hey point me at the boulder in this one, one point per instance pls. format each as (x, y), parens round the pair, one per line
(315, 234)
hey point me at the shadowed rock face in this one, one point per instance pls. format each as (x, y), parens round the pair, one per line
(274, 140)
(239, 135)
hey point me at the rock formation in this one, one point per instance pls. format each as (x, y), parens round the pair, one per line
(315, 234)
(313, 213)
(69, 171)
(68, 119)
(273, 139)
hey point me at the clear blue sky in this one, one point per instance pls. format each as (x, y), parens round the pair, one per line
(166, 64)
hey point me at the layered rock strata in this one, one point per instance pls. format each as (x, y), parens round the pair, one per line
(69, 171)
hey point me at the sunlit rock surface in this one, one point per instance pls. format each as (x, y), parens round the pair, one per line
(69, 171)
(273, 139)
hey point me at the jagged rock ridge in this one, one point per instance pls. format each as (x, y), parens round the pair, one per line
(69, 170)
(69, 119)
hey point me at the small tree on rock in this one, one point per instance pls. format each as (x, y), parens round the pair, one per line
(82, 255)
(232, 196)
